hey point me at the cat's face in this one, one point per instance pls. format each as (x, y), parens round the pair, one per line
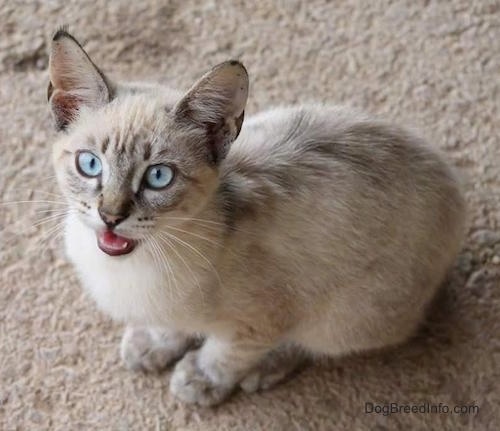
(134, 162)
(130, 168)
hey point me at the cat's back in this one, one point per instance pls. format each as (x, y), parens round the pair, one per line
(290, 149)
(337, 176)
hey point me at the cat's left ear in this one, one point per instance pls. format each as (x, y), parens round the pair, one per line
(216, 103)
(75, 81)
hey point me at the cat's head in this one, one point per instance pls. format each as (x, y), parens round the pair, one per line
(134, 159)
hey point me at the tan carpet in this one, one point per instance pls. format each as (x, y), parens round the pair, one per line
(432, 65)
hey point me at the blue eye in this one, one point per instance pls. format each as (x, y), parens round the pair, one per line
(88, 164)
(158, 176)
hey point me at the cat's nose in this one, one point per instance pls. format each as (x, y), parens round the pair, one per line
(111, 220)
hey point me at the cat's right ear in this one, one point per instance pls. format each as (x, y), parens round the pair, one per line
(75, 81)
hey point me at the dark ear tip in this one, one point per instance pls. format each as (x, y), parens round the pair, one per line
(234, 63)
(63, 32)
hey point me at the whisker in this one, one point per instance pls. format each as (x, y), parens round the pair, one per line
(33, 191)
(50, 218)
(173, 292)
(152, 253)
(186, 244)
(33, 202)
(51, 231)
(71, 205)
(211, 241)
(171, 247)
(52, 234)
(49, 210)
(57, 195)
(216, 243)
(154, 246)
(12, 229)
(59, 226)
(206, 224)
(46, 178)
(168, 270)
(191, 219)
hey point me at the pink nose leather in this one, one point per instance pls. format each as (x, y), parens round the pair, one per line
(111, 219)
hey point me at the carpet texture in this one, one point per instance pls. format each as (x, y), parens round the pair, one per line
(430, 65)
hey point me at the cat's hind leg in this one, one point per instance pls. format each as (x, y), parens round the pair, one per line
(152, 348)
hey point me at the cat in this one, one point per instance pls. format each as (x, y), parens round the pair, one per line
(239, 249)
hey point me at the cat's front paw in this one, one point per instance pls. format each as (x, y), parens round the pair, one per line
(275, 367)
(262, 379)
(191, 385)
(152, 349)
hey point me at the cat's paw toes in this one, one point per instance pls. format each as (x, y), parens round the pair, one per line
(150, 349)
(191, 385)
(275, 367)
(262, 379)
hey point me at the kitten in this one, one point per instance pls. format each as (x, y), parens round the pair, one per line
(307, 230)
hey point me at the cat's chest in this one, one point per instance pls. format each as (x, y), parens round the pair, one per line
(131, 288)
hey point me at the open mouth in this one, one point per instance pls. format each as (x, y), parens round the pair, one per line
(113, 244)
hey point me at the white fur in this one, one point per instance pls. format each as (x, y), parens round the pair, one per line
(129, 288)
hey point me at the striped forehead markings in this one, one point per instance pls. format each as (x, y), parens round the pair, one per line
(147, 150)
(105, 144)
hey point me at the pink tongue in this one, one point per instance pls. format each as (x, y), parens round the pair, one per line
(113, 244)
